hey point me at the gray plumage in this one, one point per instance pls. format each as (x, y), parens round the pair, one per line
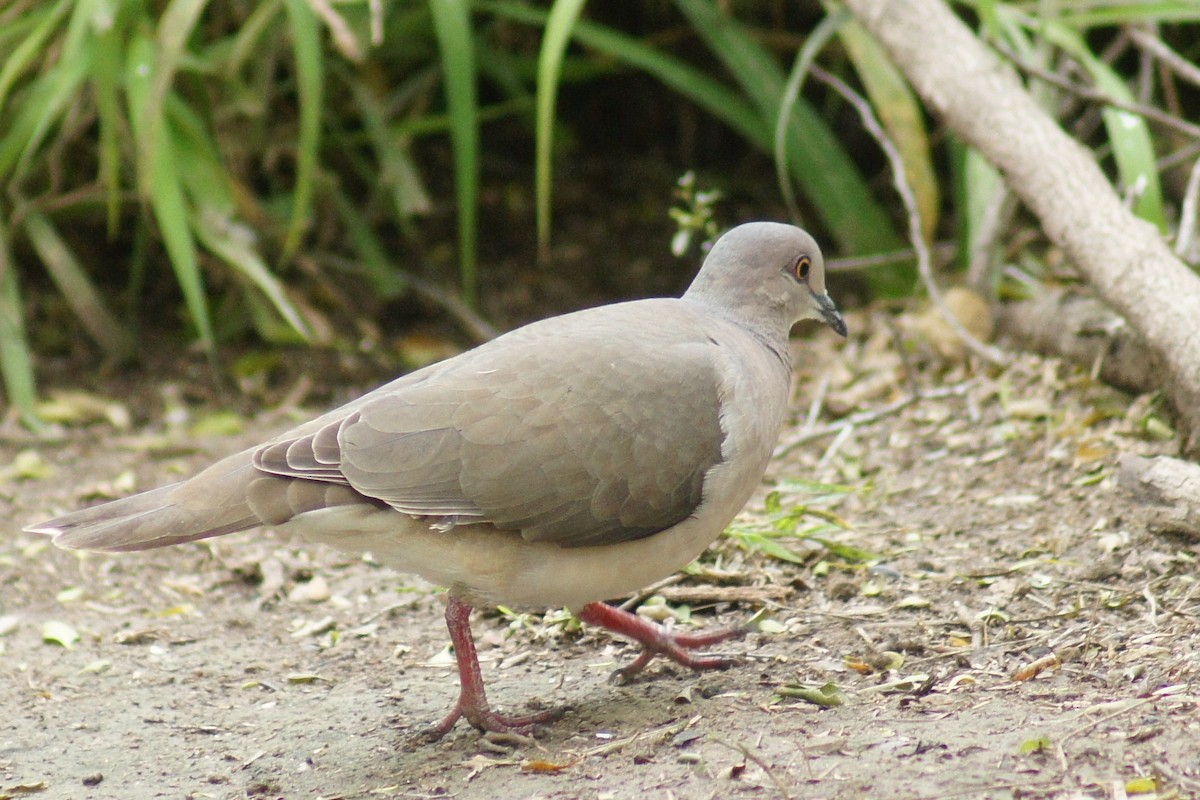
(567, 461)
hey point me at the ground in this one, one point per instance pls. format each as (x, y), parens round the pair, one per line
(984, 618)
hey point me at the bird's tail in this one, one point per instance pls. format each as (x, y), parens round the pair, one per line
(213, 503)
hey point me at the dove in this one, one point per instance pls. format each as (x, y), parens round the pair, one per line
(568, 462)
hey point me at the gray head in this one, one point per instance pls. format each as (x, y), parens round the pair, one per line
(768, 276)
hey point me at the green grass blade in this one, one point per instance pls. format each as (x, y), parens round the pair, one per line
(46, 21)
(248, 35)
(310, 83)
(209, 189)
(1132, 147)
(714, 97)
(205, 180)
(77, 289)
(234, 244)
(1083, 16)
(427, 124)
(1092, 15)
(563, 16)
(901, 116)
(976, 182)
(370, 254)
(826, 173)
(171, 213)
(106, 78)
(16, 363)
(452, 26)
(819, 160)
(166, 194)
(175, 26)
(397, 172)
(49, 95)
(813, 45)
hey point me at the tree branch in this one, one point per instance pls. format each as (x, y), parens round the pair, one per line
(1124, 259)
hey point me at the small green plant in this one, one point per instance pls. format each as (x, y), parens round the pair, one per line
(694, 216)
(249, 149)
(787, 519)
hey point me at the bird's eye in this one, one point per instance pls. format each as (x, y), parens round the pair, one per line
(800, 270)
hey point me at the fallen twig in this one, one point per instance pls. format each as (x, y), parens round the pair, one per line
(723, 594)
(867, 417)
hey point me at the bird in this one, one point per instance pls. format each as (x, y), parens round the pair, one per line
(570, 461)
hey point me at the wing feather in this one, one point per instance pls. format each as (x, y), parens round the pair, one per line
(576, 434)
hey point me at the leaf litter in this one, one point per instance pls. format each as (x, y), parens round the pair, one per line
(939, 570)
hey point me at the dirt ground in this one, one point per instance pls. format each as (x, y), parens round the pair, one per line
(1011, 630)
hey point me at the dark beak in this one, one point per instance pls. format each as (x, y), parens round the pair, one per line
(831, 315)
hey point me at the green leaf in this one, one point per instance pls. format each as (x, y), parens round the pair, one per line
(43, 22)
(1127, 132)
(249, 35)
(397, 171)
(771, 547)
(166, 198)
(717, 99)
(28, 465)
(48, 96)
(829, 695)
(976, 184)
(60, 633)
(563, 15)
(1039, 745)
(106, 77)
(816, 41)
(234, 244)
(205, 181)
(846, 552)
(175, 26)
(310, 82)
(370, 252)
(16, 363)
(806, 486)
(452, 25)
(826, 173)
(218, 423)
(901, 115)
(1128, 13)
(77, 288)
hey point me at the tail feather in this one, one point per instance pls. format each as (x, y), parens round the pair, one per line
(212, 503)
(232, 495)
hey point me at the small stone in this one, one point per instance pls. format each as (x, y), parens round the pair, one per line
(312, 591)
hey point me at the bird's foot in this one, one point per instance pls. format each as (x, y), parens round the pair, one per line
(656, 640)
(477, 713)
(472, 702)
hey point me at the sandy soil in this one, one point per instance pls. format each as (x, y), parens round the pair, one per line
(998, 540)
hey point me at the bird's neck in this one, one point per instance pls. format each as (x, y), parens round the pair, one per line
(767, 332)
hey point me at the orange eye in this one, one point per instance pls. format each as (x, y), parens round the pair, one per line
(803, 264)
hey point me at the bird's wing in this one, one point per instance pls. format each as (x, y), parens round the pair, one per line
(590, 432)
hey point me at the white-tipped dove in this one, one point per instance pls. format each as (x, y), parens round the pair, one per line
(573, 460)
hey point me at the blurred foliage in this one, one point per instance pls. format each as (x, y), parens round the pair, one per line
(268, 155)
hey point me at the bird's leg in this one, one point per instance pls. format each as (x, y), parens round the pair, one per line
(656, 640)
(472, 698)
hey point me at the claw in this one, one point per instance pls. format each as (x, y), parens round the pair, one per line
(488, 721)
(472, 702)
(656, 640)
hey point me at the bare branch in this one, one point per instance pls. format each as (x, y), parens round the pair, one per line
(1123, 258)
(915, 230)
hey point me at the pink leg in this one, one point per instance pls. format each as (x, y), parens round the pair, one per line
(655, 640)
(472, 699)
